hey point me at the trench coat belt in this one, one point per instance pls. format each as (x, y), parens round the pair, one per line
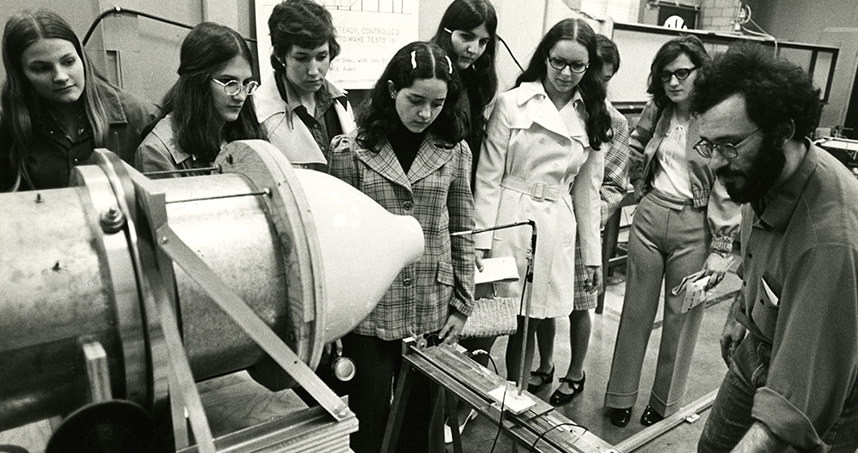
(536, 190)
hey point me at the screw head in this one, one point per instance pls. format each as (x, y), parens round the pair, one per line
(112, 220)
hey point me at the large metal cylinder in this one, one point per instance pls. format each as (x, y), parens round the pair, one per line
(235, 238)
(56, 290)
(72, 273)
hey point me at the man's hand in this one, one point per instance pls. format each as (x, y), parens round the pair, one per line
(733, 332)
(759, 439)
(716, 267)
(453, 327)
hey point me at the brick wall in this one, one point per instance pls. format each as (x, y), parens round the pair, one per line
(718, 15)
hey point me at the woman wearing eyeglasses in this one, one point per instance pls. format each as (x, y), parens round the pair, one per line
(543, 159)
(684, 223)
(207, 107)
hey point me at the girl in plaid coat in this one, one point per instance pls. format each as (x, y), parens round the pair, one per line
(408, 155)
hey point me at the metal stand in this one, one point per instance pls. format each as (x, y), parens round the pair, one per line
(524, 307)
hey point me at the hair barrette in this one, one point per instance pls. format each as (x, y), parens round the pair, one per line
(448, 30)
(449, 65)
(413, 59)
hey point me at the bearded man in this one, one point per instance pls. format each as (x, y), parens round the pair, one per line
(791, 339)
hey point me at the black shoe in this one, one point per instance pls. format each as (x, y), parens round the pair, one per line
(650, 416)
(542, 379)
(558, 397)
(621, 417)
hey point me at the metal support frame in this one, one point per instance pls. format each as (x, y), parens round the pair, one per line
(159, 249)
(462, 378)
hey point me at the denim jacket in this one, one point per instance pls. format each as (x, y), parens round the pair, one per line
(723, 214)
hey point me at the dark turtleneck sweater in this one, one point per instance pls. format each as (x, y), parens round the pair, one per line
(405, 145)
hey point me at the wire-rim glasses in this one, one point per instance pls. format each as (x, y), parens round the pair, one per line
(680, 74)
(233, 87)
(728, 150)
(577, 67)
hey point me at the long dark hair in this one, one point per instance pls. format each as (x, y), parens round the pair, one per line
(689, 45)
(20, 104)
(417, 60)
(481, 79)
(198, 131)
(591, 87)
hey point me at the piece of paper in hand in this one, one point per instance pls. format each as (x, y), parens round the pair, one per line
(685, 281)
(695, 294)
(500, 269)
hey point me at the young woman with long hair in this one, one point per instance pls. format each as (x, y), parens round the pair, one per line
(207, 107)
(408, 155)
(468, 33)
(684, 223)
(612, 192)
(56, 108)
(543, 160)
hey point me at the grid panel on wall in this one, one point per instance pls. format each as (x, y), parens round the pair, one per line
(619, 10)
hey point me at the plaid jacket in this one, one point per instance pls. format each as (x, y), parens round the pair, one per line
(437, 193)
(612, 192)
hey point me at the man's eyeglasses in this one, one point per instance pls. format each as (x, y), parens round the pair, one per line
(577, 67)
(727, 150)
(681, 74)
(234, 87)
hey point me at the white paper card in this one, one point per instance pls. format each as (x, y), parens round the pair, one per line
(500, 269)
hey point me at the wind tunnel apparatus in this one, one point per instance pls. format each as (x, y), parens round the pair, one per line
(126, 288)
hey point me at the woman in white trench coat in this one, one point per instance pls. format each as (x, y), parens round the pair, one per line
(541, 161)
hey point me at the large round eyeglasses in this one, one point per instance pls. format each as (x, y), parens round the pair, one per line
(577, 67)
(233, 87)
(728, 150)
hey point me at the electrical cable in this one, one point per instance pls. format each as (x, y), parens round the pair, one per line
(764, 33)
(500, 419)
(533, 445)
(510, 53)
(120, 11)
(478, 352)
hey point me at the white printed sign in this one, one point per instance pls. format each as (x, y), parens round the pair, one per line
(369, 33)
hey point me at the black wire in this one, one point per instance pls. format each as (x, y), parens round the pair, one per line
(533, 445)
(484, 352)
(119, 11)
(500, 420)
(510, 53)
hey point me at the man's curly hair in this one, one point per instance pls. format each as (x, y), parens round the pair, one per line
(775, 90)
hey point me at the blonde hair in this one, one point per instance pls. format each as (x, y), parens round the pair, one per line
(20, 104)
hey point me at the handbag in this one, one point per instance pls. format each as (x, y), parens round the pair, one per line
(493, 316)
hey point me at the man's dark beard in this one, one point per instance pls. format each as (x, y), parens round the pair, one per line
(765, 170)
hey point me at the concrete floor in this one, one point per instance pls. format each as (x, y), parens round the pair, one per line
(588, 410)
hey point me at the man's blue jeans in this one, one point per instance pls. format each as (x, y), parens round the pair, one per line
(730, 417)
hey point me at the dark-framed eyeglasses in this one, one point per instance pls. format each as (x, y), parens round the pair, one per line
(681, 74)
(727, 150)
(233, 87)
(577, 67)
